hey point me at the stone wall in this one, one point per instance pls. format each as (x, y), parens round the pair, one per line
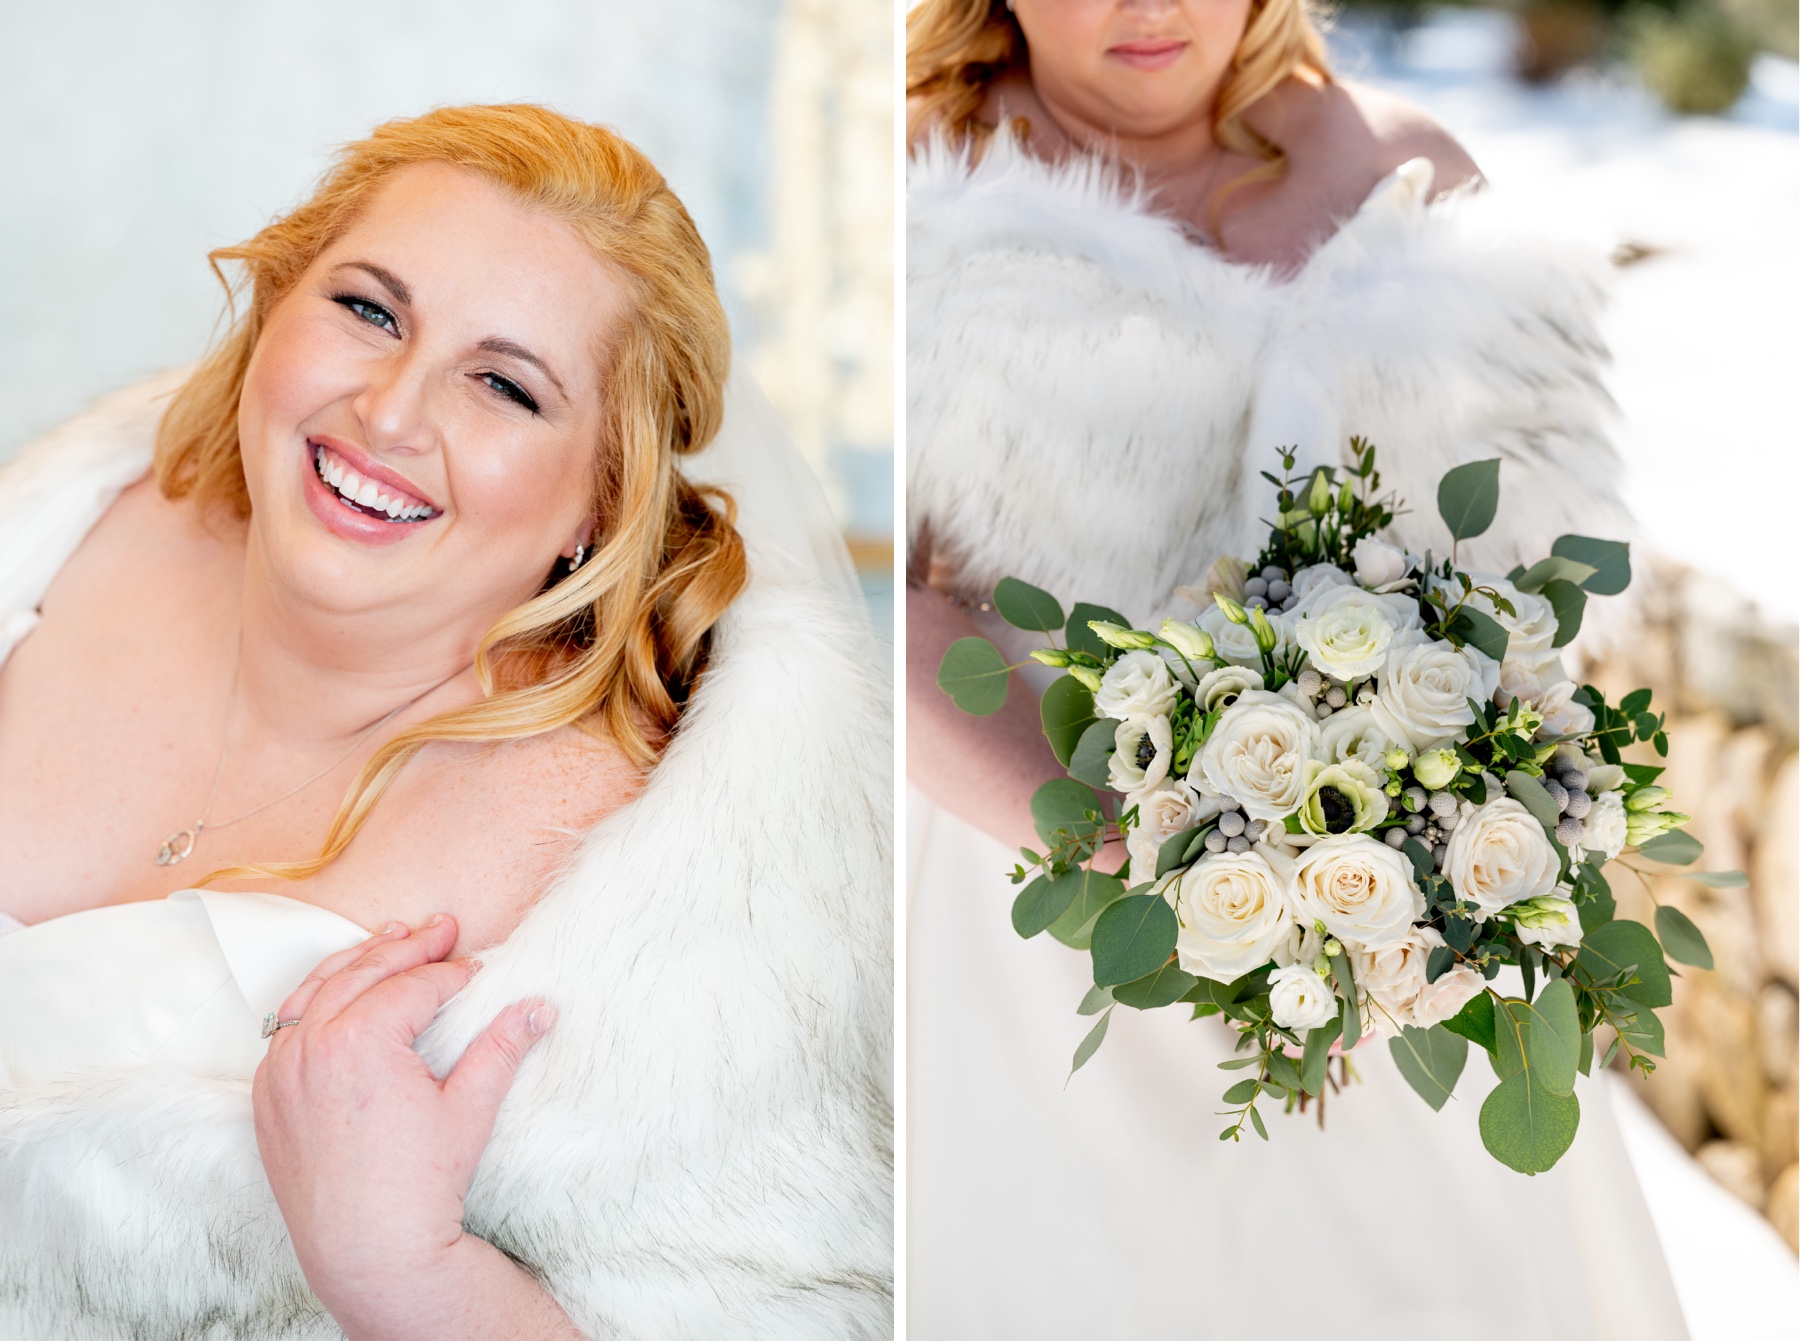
(1727, 1089)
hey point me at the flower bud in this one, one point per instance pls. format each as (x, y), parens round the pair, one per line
(1231, 609)
(1319, 502)
(1194, 644)
(1088, 676)
(1126, 640)
(1264, 631)
(1646, 797)
(1334, 947)
(1346, 496)
(1051, 656)
(1397, 759)
(1436, 769)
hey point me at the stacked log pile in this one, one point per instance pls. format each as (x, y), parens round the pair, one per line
(1727, 1089)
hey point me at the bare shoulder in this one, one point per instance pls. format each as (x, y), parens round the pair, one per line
(1397, 130)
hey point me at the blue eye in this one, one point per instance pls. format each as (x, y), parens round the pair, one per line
(373, 313)
(505, 386)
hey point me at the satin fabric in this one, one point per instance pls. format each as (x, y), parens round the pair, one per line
(183, 981)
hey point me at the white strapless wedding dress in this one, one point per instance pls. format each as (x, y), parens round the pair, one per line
(1090, 397)
(183, 981)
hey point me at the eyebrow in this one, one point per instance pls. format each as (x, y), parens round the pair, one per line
(499, 344)
(386, 278)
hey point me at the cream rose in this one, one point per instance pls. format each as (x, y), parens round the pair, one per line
(1231, 914)
(1353, 733)
(1347, 631)
(1378, 564)
(1309, 581)
(1603, 832)
(1393, 979)
(1361, 889)
(1162, 813)
(1257, 752)
(1563, 716)
(1422, 698)
(1136, 686)
(1220, 688)
(1300, 999)
(1499, 855)
(1142, 748)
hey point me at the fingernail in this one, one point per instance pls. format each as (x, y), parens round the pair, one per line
(394, 929)
(437, 920)
(541, 1019)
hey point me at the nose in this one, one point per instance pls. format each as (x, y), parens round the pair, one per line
(1150, 8)
(393, 405)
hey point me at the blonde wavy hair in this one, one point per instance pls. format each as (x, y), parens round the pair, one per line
(614, 647)
(955, 49)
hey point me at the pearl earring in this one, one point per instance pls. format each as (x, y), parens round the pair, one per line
(580, 553)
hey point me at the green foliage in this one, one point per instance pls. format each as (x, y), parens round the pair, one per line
(1475, 1022)
(1553, 1036)
(1530, 793)
(1133, 938)
(1681, 939)
(1039, 904)
(1177, 849)
(1092, 760)
(1349, 1018)
(1623, 954)
(1677, 847)
(1164, 987)
(1063, 809)
(1556, 567)
(1316, 1054)
(975, 676)
(1067, 711)
(1431, 1060)
(1075, 928)
(1468, 497)
(1096, 1000)
(1526, 1127)
(1027, 607)
(1720, 879)
(1610, 560)
(1091, 1044)
(1569, 602)
(1695, 59)
(1082, 638)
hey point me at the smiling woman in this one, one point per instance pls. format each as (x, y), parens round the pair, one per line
(424, 619)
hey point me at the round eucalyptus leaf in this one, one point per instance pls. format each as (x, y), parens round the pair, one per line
(975, 675)
(1027, 607)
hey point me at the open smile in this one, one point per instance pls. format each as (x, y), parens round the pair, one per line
(352, 490)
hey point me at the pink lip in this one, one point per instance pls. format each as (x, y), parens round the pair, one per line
(1149, 53)
(345, 521)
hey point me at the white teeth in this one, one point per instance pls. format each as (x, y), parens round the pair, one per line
(366, 494)
(393, 508)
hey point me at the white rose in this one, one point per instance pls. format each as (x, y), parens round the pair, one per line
(1563, 716)
(1394, 980)
(1300, 999)
(1308, 582)
(1347, 631)
(1232, 915)
(1603, 832)
(1498, 855)
(1136, 686)
(1517, 680)
(1236, 643)
(1142, 749)
(1219, 688)
(1378, 564)
(1553, 923)
(1353, 733)
(1162, 813)
(1257, 754)
(1361, 889)
(1422, 698)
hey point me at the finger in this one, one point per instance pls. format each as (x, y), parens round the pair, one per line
(482, 1077)
(431, 942)
(301, 997)
(403, 1005)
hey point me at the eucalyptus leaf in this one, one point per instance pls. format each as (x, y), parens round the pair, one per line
(1093, 896)
(1092, 760)
(1569, 602)
(1525, 1126)
(1610, 559)
(1677, 847)
(1027, 607)
(1082, 638)
(1431, 1060)
(1475, 1022)
(1681, 939)
(1618, 945)
(1553, 1037)
(1096, 1000)
(1283, 1071)
(1585, 1064)
(1133, 938)
(975, 676)
(1420, 857)
(1162, 988)
(1349, 1017)
(1530, 793)
(1468, 497)
(1043, 901)
(1316, 1053)
(1172, 852)
(1644, 1031)
(1719, 879)
(1091, 1044)
(1067, 711)
(1483, 633)
(1060, 807)
(1556, 567)
(1242, 1092)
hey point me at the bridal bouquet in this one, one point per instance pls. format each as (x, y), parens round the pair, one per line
(1355, 788)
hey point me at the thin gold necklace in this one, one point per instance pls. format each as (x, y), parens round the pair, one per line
(178, 846)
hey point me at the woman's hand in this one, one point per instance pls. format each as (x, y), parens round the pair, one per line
(370, 1155)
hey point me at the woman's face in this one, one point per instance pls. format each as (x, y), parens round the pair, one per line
(1133, 68)
(440, 364)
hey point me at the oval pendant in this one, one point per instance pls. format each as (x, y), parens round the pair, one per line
(177, 846)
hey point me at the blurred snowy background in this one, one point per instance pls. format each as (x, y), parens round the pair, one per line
(137, 137)
(1585, 111)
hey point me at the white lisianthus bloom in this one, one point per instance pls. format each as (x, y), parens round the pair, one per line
(1220, 688)
(1361, 889)
(1436, 769)
(1353, 733)
(1499, 856)
(1232, 915)
(1393, 980)
(1603, 832)
(1422, 698)
(1136, 686)
(1142, 749)
(1551, 922)
(1378, 564)
(1300, 999)
(1257, 752)
(1236, 643)
(1604, 777)
(1307, 582)
(1163, 812)
(1563, 715)
(1347, 631)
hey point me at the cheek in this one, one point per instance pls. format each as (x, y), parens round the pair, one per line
(509, 486)
(293, 373)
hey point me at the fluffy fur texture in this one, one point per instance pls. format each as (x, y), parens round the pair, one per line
(1092, 393)
(702, 1147)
